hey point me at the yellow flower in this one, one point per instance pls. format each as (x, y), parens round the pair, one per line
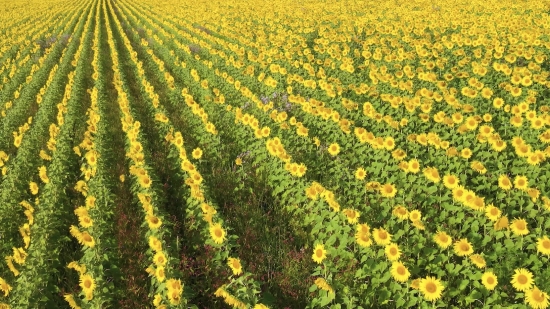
(43, 175)
(450, 181)
(400, 212)
(399, 272)
(160, 259)
(463, 248)
(521, 182)
(360, 173)
(155, 244)
(381, 236)
(33, 187)
(319, 253)
(415, 215)
(392, 252)
(217, 233)
(197, 153)
(154, 222)
(478, 260)
(239, 161)
(543, 245)
(334, 149)
(388, 190)
(352, 215)
(235, 265)
(489, 280)
(160, 274)
(519, 227)
(323, 285)
(492, 213)
(442, 239)
(5, 287)
(536, 298)
(522, 280)
(431, 288)
(70, 300)
(87, 283)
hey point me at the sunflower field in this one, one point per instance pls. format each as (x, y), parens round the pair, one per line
(274, 154)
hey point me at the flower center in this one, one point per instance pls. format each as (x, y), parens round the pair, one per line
(319, 252)
(538, 296)
(431, 287)
(401, 270)
(522, 279)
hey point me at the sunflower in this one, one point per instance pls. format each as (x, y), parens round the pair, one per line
(155, 244)
(69, 298)
(536, 298)
(5, 287)
(87, 283)
(381, 236)
(450, 181)
(363, 239)
(415, 215)
(334, 149)
(492, 213)
(543, 245)
(400, 212)
(86, 239)
(414, 166)
(235, 265)
(217, 233)
(519, 227)
(319, 253)
(144, 181)
(85, 221)
(392, 252)
(521, 182)
(388, 190)
(154, 222)
(466, 153)
(442, 239)
(197, 153)
(489, 280)
(431, 288)
(459, 194)
(33, 187)
(522, 280)
(478, 260)
(389, 143)
(399, 272)
(501, 223)
(322, 284)
(160, 259)
(360, 173)
(160, 274)
(43, 174)
(352, 215)
(463, 248)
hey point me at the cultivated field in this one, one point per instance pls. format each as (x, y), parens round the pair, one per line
(274, 154)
